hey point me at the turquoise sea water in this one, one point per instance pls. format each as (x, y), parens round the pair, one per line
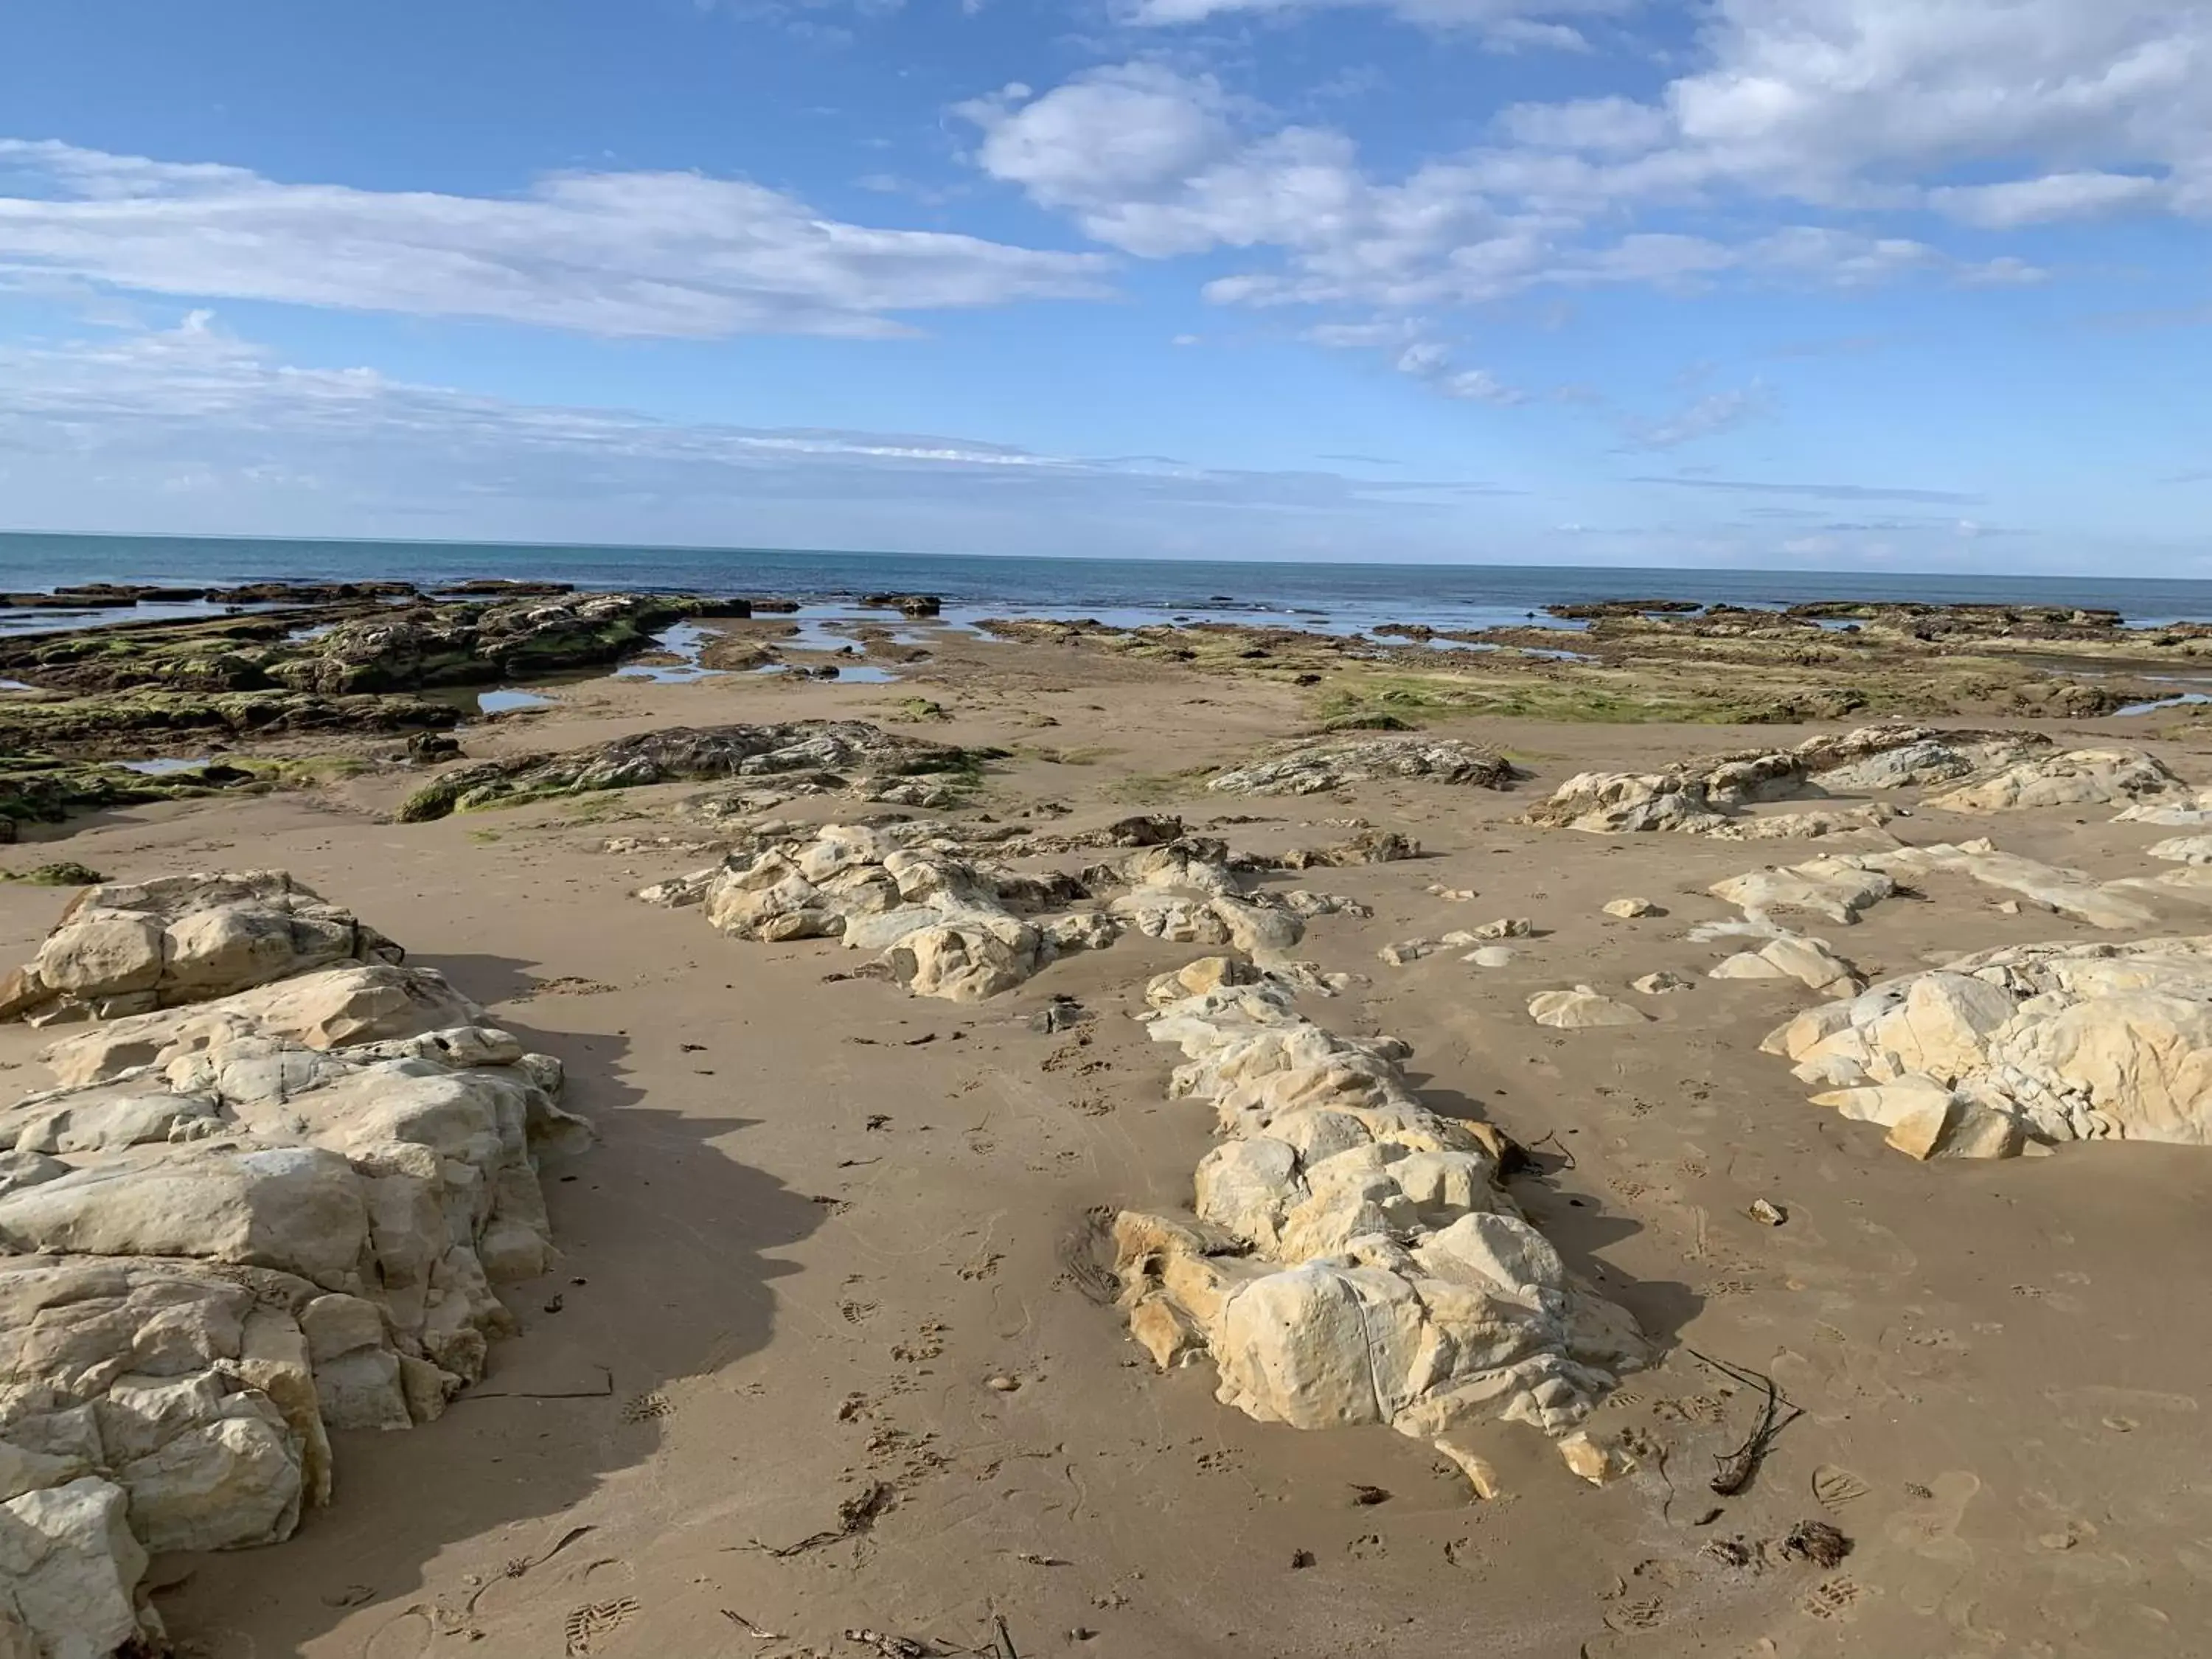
(1340, 596)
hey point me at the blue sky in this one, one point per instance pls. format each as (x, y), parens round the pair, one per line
(1916, 284)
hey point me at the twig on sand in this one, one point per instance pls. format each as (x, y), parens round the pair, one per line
(1733, 1472)
(523, 1564)
(1005, 1641)
(854, 1517)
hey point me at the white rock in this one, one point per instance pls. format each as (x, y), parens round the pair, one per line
(1628, 909)
(70, 1568)
(2079, 777)
(1581, 1009)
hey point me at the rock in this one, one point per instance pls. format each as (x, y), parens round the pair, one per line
(69, 1571)
(1599, 1463)
(1491, 956)
(1405, 950)
(2183, 849)
(679, 892)
(2078, 777)
(1836, 887)
(1581, 1009)
(1707, 796)
(278, 1212)
(127, 947)
(1628, 909)
(1353, 1260)
(1807, 961)
(2025, 1046)
(1659, 984)
(684, 753)
(400, 649)
(1313, 767)
(1505, 927)
(1768, 1214)
(1196, 979)
(945, 926)
(2069, 892)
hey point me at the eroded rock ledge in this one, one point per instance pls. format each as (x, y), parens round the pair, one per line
(270, 1197)
(1352, 1258)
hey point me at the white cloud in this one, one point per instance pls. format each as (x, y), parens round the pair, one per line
(1431, 364)
(2054, 195)
(636, 253)
(108, 432)
(1506, 25)
(1998, 113)
(1714, 413)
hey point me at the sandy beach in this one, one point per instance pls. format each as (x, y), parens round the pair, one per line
(827, 1361)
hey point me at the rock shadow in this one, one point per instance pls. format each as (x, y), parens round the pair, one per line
(665, 1267)
(1577, 1223)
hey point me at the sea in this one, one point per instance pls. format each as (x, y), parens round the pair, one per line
(1345, 598)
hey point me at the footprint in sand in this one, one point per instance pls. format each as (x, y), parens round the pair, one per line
(645, 1407)
(1833, 1487)
(1930, 1528)
(1832, 1599)
(1648, 1614)
(594, 1621)
(407, 1637)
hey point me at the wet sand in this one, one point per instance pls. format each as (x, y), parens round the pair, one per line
(824, 1213)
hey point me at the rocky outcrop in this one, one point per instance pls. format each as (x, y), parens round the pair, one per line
(2080, 777)
(1842, 886)
(406, 649)
(239, 1222)
(126, 948)
(1311, 768)
(1352, 1257)
(1709, 796)
(945, 925)
(2021, 1050)
(685, 753)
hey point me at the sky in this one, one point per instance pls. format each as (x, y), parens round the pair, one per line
(1824, 284)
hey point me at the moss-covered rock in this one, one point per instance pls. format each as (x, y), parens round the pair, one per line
(687, 754)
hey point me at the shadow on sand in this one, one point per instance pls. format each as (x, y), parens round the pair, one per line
(664, 1272)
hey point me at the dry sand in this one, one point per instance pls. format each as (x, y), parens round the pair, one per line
(824, 1213)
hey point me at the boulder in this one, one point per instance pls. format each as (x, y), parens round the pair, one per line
(1836, 887)
(69, 1571)
(127, 947)
(1581, 1009)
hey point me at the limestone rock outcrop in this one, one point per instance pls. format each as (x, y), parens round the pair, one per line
(1844, 886)
(129, 947)
(1352, 1257)
(1708, 796)
(945, 924)
(1313, 767)
(2022, 1049)
(237, 1224)
(2079, 777)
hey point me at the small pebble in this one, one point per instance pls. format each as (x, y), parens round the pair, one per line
(1002, 1384)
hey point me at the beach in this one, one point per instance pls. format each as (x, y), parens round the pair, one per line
(828, 1357)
